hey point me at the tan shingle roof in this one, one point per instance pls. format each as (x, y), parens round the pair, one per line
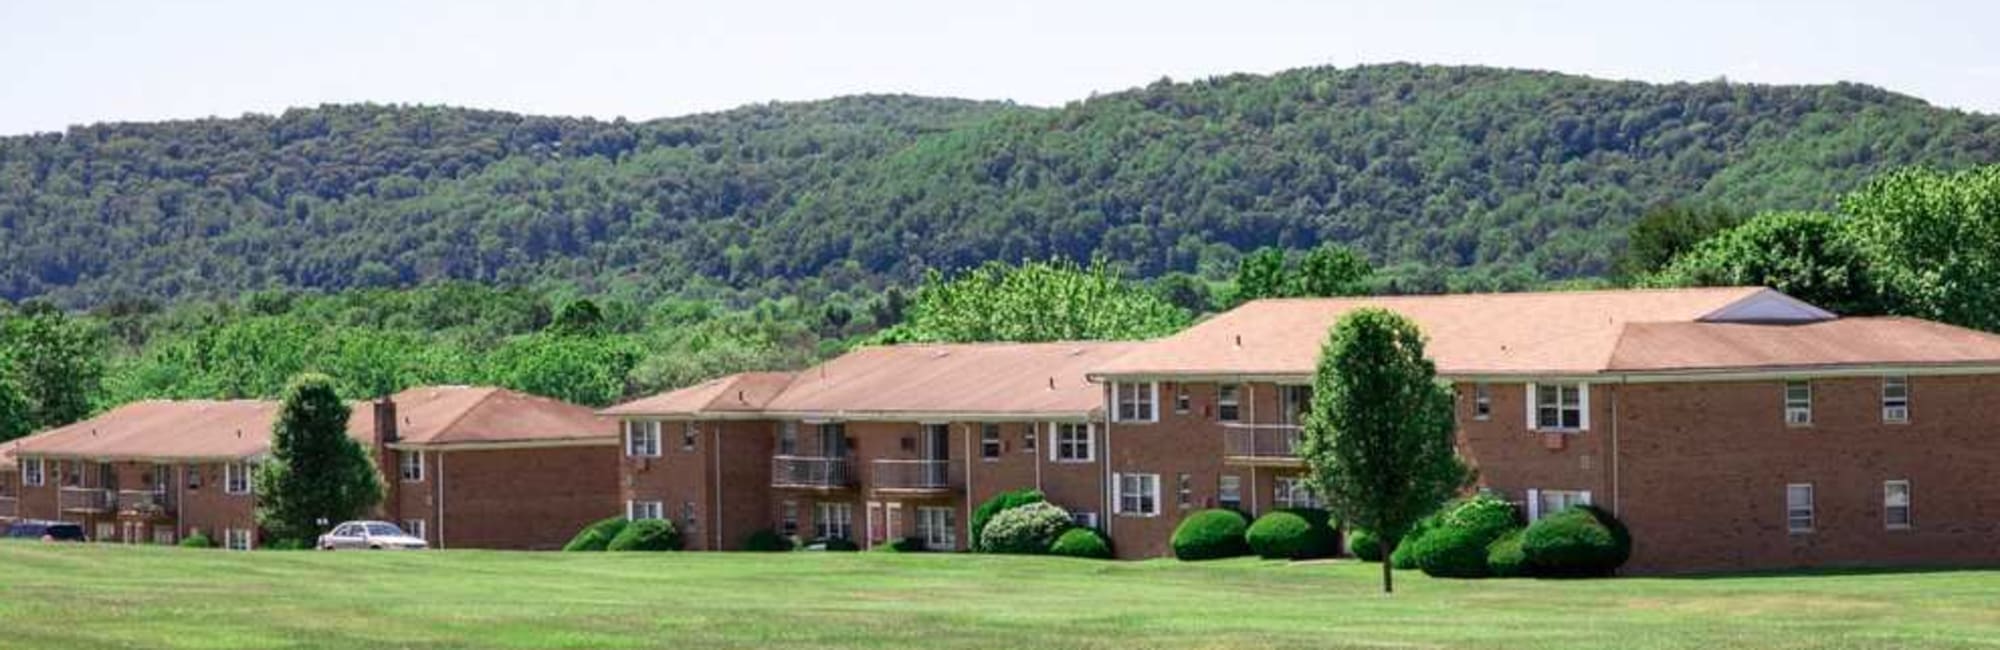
(1892, 341)
(165, 430)
(744, 392)
(445, 415)
(1500, 333)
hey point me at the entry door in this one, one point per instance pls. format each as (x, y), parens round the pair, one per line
(875, 523)
(894, 521)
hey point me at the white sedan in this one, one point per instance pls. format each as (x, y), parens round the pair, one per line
(376, 535)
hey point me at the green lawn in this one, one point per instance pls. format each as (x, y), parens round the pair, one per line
(141, 597)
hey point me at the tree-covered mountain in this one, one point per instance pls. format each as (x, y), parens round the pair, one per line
(1467, 177)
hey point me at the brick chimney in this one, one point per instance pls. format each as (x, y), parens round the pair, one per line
(386, 432)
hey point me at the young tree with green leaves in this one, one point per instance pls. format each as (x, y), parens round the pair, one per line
(15, 418)
(56, 361)
(315, 474)
(1328, 271)
(1811, 256)
(1934, 239)
(1037, 301)
(1378, 440)
(1261, 274)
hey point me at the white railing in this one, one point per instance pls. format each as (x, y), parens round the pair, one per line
(810, 472)
(150, 502)
(1261, 441)
(915, 474)
(85, 499)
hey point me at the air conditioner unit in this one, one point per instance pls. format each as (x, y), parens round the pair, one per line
(1895, 414)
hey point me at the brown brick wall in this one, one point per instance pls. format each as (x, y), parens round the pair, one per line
(527, 499)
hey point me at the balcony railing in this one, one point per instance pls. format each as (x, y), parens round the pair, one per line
(916, 475)
(811, 472)
(145, 503)
(1261, 443)
(86, 499)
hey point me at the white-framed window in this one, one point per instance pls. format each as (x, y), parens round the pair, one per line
(164, 536)
(1896, 400)
(788, 438)
(1896, 504)
(1074, 442)
(237, 539)
(106, 532)
(1084, 518)
(236, 478)
(410, 465)
(1542, 503)
(1228, 402)
(1798, 403)
(636, 510)
(1137, 494)
(32, 472)
(1292, 492)
(1136, 402)
(1182, 402)
(690, 432)
(936, 528)
(1029, 438)
(642, 438)
(417, 528)
(690, 520)
(834, 520)
(1482, 401)
(1229, 492)
(788, 518)
(1185, 489)
(1799, 507)
(989, 441)
(1559, 407)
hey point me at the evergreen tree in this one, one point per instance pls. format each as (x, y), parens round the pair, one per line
(315, 475)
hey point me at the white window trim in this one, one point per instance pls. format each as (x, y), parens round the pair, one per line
(1535, 502)
(1151, 390)
(1808, 408)
(1118, 494)
(633, 508)
(1482, 401)
(229, 536)
(1582, 403)
(935, 526)
(233, 471)
(999, 442)
(823, 520)
(1084, 518)
(1889, 411)
(1235, 400)
(402, 466)
(417, 528)
(1221, 493)
(1812, 509)
(1909, 505)
(1089, 442)
(647, 430)
(39, 477)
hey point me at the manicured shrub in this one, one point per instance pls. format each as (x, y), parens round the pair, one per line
(1504, 558)
(838, 545)
(1003, 501)
(1025, 530)
(1211, 534)
(647, 535)
(1294, 534)
(900, 545)
(768, 541)
(1082, 542)
(197, 540)
(1404, 556)
(1576, 542)
(1483, 514)
(1364, 545)
(1452, 553)
(596, 536)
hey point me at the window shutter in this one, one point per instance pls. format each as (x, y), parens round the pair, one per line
(1532, 406)
(1534, 504)
(1153, 410)
(1117, 491)
(1156, 495)
(1583, 402)
(1053, 443)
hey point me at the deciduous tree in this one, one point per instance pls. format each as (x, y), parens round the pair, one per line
(315, 474)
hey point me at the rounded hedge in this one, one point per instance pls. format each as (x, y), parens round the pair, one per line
(1484, 514)
(768, 541)
(1404, 556)
(900, 545)
(197, 540)
(1211, 534)
(1001, 502)
(647, 535)
(1364, 545)
(1025, 530)
(1504, 557)
(1082, 542)
(596, 536)
(1452, 553)
(838, 545)
(1581, 541)
(1293, 534)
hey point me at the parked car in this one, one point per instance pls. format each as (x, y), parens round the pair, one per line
(47, 531)
(375, 535)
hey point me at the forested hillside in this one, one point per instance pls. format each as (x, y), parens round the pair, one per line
(1468, 177)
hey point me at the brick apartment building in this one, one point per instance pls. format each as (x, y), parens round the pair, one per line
(881, 443)
(453, 457)
(1730, 428)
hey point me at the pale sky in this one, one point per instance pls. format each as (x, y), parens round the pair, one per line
(72, 62)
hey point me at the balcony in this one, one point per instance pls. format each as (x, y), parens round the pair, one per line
(916, 477)
(1261, 444)
(811, 473)
(85, 500)
(144, 503)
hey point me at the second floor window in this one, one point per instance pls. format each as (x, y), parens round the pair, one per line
(642, 438)
(193, 475)
(1028, 438)
(989, 440)
(236, 478)
(690, 431)
(1295, 402)
(1073, 443)
(1798, 403)
(31, 472)
(1558, 407)
(788, 438)
(1182, 403)
(1482, 401)
(1136, 402)
(410, 464)
(1228, 407)
(1895, 400)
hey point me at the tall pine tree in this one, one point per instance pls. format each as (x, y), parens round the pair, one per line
(316, 475)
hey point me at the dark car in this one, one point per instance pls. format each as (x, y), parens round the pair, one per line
(53, 531)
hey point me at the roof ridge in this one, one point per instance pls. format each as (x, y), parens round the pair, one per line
(1516, 294)
(490, 391)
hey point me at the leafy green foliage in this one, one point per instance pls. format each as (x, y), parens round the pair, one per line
(1484, 514)
(646, 535)
(1663, 233)
(1580, 541)
(1028, 529)
(1082, 542)
(16, 415)
(1294, 534)
(983, 514)
(1808, 255)
(1211, 534)
(53, 363)
(1933, 238)
(767, 541)
(1504, 557)
(1452, 553)
(196, 540)
(900, 545)
(597, 536)
(1036, 301)
(315, 472)
(1378, 436)
(1364, 545)
(838, 545)
(1325, 271)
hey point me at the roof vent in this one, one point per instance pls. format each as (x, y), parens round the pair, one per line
(739, 396)
(940, 354)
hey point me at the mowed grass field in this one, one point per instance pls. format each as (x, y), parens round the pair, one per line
(77, 596)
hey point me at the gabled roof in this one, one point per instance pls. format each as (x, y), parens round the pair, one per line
(744, 392)
(467, 415)
(1847, 342)
(1571, 332)
(162, 430)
